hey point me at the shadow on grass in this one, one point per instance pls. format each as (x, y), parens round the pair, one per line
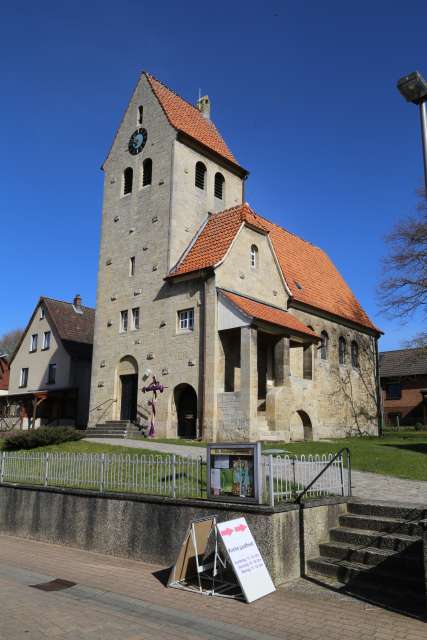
(418, 447)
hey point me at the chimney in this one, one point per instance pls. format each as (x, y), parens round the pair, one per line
(203, 104)
(77, 302)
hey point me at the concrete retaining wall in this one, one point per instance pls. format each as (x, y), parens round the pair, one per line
(152, 529)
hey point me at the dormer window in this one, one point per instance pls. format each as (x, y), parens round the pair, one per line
(127, 180)
(219, 186)
(200, 175)
(140, 114)
(254, 256)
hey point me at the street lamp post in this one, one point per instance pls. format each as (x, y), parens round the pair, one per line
(414, 89)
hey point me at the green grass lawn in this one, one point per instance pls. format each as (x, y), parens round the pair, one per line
(403, 455)
(81, 446)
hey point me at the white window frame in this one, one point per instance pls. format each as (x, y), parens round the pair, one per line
(124, 321)
(52, 364)
(136, 313)
(186, 320)
(46, 340)
(34, 342)
(23, 377)
(42, 313)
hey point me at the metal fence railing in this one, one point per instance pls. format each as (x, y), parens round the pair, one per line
(286, 477)
(160, 475)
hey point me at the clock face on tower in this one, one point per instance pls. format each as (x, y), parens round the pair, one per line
(137, 141)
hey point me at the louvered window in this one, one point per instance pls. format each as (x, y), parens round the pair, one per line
(127, 180)
(200, 175)
(219, 186)
(147, 172)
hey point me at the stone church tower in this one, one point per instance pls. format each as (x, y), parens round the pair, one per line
(152, 209)
(250, 330)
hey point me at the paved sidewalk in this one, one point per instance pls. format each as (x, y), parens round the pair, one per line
(364, 484)
(116, 598)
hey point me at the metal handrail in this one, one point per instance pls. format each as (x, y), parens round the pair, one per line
(102, 403)
(337, 455)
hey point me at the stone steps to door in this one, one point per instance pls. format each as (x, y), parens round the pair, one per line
(112, 429)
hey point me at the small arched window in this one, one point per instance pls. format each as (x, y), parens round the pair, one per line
(147, 172)
(254, 256)
(127, 180)
(355, 354)
(342, 348)
(140, 114)
(324, 343)
(200, 175)
(219, 186)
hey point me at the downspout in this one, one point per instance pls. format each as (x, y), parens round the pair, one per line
(202, 355)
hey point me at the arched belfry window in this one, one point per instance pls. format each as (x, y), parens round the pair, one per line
(342, 349)
(127, 180)
(355, 354)
(324, 343)
(200, 175)
(254, 256)
(147, 172)
(219, 186)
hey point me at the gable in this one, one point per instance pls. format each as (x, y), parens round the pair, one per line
(264, 281)
(154, 120)
(310, 275)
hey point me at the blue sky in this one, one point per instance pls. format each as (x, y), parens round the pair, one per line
(303, 92)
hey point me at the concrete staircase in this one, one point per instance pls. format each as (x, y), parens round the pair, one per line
(376, 553)
(113, 429)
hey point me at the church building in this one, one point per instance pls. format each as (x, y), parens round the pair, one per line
(247, 331)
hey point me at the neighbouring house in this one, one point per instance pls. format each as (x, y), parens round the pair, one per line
(4, 375)
(250, 332)
(50, 370)
(403, 375)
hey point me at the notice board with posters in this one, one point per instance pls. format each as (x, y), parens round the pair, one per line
(246, 559)
(234, 472)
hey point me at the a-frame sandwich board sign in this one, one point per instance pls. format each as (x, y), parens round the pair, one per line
(199, 564)
(237, 545)
(245, 558)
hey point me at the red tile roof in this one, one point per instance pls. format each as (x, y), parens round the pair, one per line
(309, 273)
(184, 117)
(265, 312)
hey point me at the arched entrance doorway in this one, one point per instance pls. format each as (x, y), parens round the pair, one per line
(127, 377)
(186, 409)
(301, 427)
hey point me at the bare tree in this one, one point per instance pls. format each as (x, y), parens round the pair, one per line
(9, 341)
(403, 289)
(358, 389)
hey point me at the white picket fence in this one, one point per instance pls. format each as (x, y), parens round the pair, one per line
(162, 475)
(283, 477)
(286, 477)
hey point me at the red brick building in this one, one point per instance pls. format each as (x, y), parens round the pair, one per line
(404, 386)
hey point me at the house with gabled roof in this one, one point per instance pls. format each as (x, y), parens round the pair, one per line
(50, 369)
(404, 386)
(245, 330)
